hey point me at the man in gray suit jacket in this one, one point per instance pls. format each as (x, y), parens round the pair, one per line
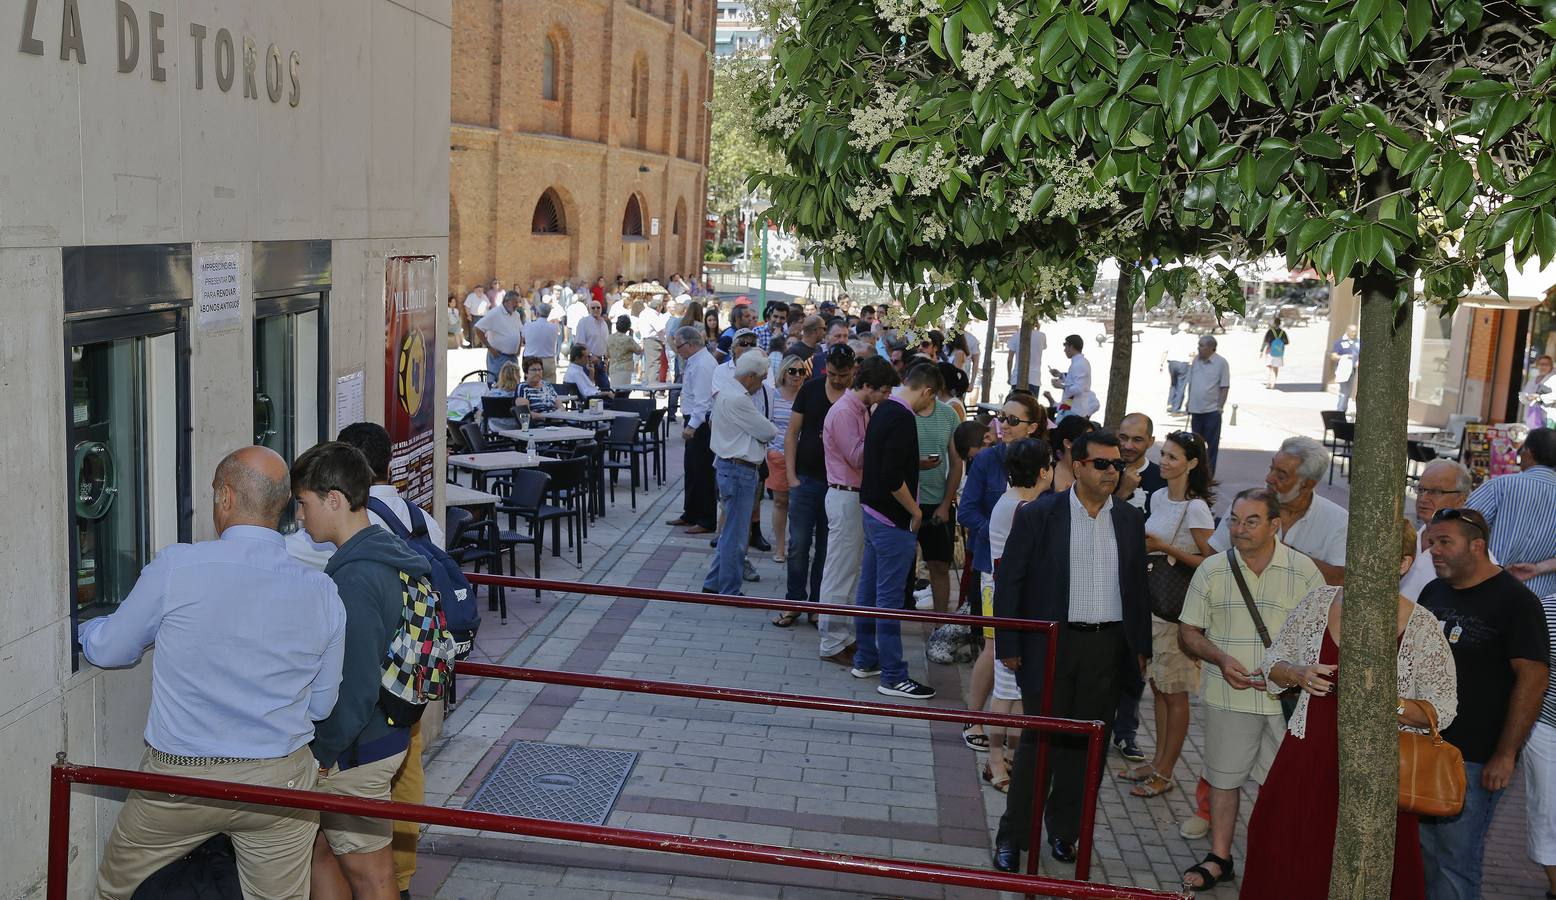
(1077, 559)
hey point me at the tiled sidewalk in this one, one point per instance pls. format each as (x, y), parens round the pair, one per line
(807, 779)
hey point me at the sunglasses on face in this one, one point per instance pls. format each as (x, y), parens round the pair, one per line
(746, 342)
(1102, 465)
(1469, 516)
(1012, 421)
(794, 371)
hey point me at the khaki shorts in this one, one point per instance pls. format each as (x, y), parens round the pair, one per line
(359, 834)
(1170, 669)
(1240, 746)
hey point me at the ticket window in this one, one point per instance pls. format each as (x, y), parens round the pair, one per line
(128, 451)
(288, 360)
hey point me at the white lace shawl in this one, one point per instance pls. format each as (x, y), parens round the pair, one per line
(1425, 663)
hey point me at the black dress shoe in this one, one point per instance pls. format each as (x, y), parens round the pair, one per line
(1007, 858)
(758, 542)
(1063, 851)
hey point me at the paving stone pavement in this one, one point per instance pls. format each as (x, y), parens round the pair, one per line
(754, 773)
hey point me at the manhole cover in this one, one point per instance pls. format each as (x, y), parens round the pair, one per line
(555, 781)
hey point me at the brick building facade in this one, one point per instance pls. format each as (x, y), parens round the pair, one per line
(579, 139)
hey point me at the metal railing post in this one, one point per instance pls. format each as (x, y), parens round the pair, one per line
(1094, 751)
(59, 830)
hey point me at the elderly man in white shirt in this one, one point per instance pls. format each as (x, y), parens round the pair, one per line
(582, 373)
(501, 328)
(1079, 399)
(540, 337)
(1310, 524)
(594, 332)
(476, 305)
(699, 511)
(741, 431)
(1444, 484)
(1210, 380)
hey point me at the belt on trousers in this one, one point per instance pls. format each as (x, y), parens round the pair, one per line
(171, 760)
(738, 461)
(843, 487)
(1091, 626)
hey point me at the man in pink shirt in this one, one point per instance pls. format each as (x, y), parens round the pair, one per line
(842, 442)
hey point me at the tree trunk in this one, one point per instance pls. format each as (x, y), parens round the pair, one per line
(1369, 761)
(1123, 345)
(1023, 362)
(991, 334)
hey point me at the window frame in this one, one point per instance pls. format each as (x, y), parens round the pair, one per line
(315, 299)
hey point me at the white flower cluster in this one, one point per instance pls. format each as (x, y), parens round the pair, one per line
(873, 125)
(931, 229)
(1006, 19)
(1072, 194)
(783, 118)
(1021, 74)
(867, 198)
(983, 61)
(899, 14)
(926, 176)
(837, 243)
(1021, 202)
(1053, 280)
(970, 162)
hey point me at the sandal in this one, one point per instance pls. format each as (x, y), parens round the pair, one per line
(786, 620)
(1001, 784)
(1136, 774)
(1207, 880)
(1153, 786)
(978, 741)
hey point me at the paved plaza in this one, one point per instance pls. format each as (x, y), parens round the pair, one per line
(815, 780)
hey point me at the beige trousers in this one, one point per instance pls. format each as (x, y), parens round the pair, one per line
(274, 845)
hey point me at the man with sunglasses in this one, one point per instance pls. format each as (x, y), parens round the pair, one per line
(805, 458)
(1497, 632)
(1077, 558)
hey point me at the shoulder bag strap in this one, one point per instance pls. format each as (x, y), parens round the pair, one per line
(1253, 609)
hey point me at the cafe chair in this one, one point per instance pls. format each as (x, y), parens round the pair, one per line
(523, 493)
(622, 440)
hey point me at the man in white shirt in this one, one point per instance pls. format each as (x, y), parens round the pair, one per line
(501, 331)
(1037, 342)
(651, 323)
(1444, 484)
(741, 432)
(1078, 399)
(476, 306)
(577, 308)
(593, 332)
(1210, 379)
(699, 512)
(581, 373)
(1181, 348)
(1310, 524)
(540, 338)
(974, 354)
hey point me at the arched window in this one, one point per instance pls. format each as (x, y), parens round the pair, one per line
(632, 221)
(548, 215)
(548, 62)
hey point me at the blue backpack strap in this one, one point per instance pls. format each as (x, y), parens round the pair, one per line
(390, 520)
(418, 521)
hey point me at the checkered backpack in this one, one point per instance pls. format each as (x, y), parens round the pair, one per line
(420, 661)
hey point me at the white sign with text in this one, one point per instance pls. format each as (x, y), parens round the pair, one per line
(218, 292)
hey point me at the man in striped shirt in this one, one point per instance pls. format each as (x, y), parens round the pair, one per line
(1521, 510)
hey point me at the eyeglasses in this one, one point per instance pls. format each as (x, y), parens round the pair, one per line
(1013, 421)
(1468, 516)
(1102, 465)
(1438, 492)
(746, 342)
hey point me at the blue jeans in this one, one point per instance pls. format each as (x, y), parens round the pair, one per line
(807, 525)
(1208, 426)
(1179, 372)
(1451, 849)
(888, 554)
(737, 492)
(495, 362)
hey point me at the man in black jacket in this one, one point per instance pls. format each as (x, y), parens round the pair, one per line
(888, 501)
(1078, 559)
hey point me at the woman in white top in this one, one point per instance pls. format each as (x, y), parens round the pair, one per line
(1030, 469)
(1178, 534)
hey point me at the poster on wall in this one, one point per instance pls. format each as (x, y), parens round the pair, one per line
(410, 373)
(1502, 450)
(1476, 452)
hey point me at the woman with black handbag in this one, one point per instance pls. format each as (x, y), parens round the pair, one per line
(1177, 539)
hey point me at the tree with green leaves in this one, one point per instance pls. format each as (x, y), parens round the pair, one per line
(964, 148)
(736, 153)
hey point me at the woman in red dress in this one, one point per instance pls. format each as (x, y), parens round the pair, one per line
(1304, 783)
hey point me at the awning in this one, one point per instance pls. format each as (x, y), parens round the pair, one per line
(1492, 301)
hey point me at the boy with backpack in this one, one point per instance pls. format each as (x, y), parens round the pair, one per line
(361, 744)
(386, 508)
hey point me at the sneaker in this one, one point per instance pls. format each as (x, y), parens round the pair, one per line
(908, 688)
(1194, 828)
(924, 602)
(1127, 748)
(749, 571)
(871, 672)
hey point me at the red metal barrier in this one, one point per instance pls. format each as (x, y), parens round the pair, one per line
(64, 774)
(1083, 856)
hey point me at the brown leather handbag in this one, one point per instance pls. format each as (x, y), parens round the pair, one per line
(1431, 772)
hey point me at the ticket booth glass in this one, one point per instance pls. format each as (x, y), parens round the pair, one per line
(127, 416)
(288, 411)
